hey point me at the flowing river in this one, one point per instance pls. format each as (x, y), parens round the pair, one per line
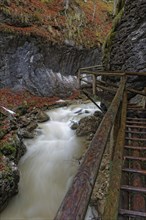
(48, 167)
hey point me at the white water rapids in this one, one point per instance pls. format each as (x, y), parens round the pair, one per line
(48, 166)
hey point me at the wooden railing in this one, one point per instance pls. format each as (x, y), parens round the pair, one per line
(95, 71)
(76, 201)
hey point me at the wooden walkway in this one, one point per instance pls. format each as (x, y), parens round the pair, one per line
(126, 123)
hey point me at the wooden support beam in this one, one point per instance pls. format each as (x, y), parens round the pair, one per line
(94, 85)
(136, 91)
(107, 83)
(103, 73)
(93, 101)
(91, 67)
(106, 88)
(79, 79)
(136, 73)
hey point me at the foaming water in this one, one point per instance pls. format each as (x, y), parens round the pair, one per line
(48, 167)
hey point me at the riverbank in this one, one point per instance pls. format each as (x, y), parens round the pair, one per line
(84, 128)
(29, 111)
(25, 122)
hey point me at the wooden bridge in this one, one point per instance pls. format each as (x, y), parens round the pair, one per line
(125, 123)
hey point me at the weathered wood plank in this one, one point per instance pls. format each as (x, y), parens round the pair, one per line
(91, 67)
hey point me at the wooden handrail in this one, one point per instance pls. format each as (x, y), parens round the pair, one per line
(91, 67)
(76, 201)
(103, 73)
(100, 72)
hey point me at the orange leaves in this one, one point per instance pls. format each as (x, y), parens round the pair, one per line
(84, 23)
(12, 100)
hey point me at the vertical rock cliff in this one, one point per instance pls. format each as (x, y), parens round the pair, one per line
(125, 48)
(43, 43)
(42, 68)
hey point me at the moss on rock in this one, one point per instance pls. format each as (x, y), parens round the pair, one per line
(13, 148)
(109, 40)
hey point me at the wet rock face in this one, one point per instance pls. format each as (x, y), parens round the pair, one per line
(40, 67)
(128, 40)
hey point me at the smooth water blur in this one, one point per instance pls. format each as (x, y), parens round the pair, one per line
(48, 167)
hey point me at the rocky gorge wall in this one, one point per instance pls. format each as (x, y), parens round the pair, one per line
(125, 48)
(42, 68)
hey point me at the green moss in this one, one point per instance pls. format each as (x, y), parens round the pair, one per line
(8, 150)
(120, 6)
(117, 19)
(2, 133)
(109, 40)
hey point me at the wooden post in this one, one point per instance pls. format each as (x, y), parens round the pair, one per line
(94, 85)
(145, 98)
(79, 79)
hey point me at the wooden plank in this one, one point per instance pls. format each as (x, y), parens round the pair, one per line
(135, 158)
(139, 119)
(135, 139)
(130, 170)
(103, 73)
(132, 213)
(136, 91)
(133, 188)
(136, 126)
(94, 85)
(75, 203)
(136, 73)
(107, 83)
(135, 147)
(111, 208)
(136, 122)
(106, 88)
(136, 132)
(79, 79)
(91, 67)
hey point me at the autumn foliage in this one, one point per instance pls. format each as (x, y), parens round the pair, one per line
(84, 23)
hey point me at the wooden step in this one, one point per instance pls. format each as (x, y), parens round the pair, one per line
(132, 213)
(135, 139)
(135, 126)
(136, 122)
(133, 189)
(134, 158)
(136, 132)
(129, 170)
(136, 108)
(138, 119)
(134, 147)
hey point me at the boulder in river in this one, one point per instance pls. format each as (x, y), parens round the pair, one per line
(88, 125)
(74, 126)
(33, 125)
(42, 116)
(24, 133)
(13, 148)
